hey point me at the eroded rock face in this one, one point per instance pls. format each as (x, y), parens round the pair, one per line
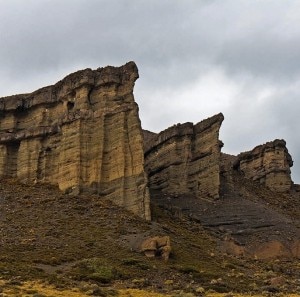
(185, 158)
(157, 247)
(268, 164)
(82, 133)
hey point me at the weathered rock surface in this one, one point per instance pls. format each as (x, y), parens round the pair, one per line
(82, 133)
(268, 164)
(185, 158)
(248, 220)
(157, 247)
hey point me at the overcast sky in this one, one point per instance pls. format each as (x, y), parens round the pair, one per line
(196, 58)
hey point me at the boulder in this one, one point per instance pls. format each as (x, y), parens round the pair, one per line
(157, 247)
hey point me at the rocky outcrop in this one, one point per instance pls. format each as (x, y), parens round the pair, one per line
(249, 220)
(157, 247)
(268, 164)
(185, 158)
(83, 134)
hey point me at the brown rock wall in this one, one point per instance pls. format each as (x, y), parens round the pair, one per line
(83, 133)
(185, 158)
(268, 164)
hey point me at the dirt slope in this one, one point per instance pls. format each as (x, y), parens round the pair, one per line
(90, 244)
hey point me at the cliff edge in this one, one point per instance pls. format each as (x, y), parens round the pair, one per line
(185, 158)
(82, 134)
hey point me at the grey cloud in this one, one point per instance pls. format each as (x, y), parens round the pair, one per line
(95, 31)
(176, 44)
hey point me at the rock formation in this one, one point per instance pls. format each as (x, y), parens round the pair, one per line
(268, 164)
(82, 133)
(185, 158)
(157, 247)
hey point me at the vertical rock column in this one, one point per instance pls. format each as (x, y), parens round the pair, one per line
(27, 156)
(204, 169)
(117, 146)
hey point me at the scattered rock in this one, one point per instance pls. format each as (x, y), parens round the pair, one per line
(277, 281)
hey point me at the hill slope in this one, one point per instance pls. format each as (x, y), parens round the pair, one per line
(81, 241)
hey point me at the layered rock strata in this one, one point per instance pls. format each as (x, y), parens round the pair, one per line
(82, 133)
(268, 164)
(185, 158)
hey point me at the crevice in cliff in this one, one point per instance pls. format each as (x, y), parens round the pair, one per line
(41, 166)
(128, 165)
(11, 167)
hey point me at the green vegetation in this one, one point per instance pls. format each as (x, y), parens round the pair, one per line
(95, 269)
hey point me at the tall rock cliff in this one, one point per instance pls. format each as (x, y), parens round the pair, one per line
(82, 133)
(185, 158)
(268, 164)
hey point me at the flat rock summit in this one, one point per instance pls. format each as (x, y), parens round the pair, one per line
(84, 135)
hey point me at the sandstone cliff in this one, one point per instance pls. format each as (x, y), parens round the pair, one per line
(268, 164)
(185, 158)
(82, 133)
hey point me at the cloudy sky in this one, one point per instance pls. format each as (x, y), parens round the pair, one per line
(195, 58)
